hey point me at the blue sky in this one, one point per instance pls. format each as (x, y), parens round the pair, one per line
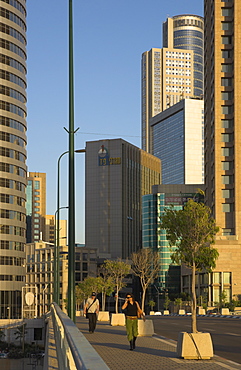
(109, 38)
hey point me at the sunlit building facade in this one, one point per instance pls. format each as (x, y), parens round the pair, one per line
(223, 139)
(117, 175)
(173, 72)
(13, 170)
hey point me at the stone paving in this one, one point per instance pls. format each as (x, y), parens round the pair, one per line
(151, 352)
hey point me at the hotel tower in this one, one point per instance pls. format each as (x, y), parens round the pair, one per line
(12, 155)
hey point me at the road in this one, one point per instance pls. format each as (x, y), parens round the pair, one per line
(225, 333)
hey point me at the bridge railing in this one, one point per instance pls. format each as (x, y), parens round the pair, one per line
(72, 348)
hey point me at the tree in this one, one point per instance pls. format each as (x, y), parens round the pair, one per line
(107, 284)
(152, 304)
(192, 230)
(86, 287)
(167, 302)
(145, 265)
(117, 271)
(20, 333)
(178, 303)
(79, 296)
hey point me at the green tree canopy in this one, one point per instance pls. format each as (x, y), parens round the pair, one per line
(192, 230)
(117, 270)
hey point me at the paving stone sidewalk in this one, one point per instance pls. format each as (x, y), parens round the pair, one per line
(151, 352)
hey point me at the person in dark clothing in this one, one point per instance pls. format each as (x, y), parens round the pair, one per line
(132, 312)
(92, 308)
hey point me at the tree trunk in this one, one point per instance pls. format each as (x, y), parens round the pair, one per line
(116, 300)
(194, 300)
(143, 298)
(103, 300)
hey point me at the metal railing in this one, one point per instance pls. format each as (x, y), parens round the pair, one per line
(72, 348)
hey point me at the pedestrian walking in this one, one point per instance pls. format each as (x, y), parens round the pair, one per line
(91, 310)
(133, 311)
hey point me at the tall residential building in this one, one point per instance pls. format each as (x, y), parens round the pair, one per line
(173, 72)
(178, 140)
(117, 175)
(13, 171)
(36, 206)
(223, 131)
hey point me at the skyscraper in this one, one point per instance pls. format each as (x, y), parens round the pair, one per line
(174, 72)
(36, 206)
(12, 155)
(178, 141)
(223, 132)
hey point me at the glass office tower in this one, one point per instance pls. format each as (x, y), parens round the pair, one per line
(12, 155)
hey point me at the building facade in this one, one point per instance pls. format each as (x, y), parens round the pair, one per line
(36, 206)
(40, 272)
(178, 140)
(153, 206)
(117, 175)
(223, 132)
(173, 72)
(13, 170)
(50, 230)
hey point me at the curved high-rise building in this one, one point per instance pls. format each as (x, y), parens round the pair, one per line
(174, 72)
(12, 155)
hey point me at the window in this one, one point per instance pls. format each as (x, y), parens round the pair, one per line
(227, 95)
(227, 277)
(36, 184)
(38, 334)
(227, 54)
(216, 278)
(228, 68)
(227, 138)
(227, 123)
(227, 26)
(226, 81)
(226, 166)
(227, 109)
(227, 179)
(227, 12)
(227, 232)
(227, 193)
(226, 40)
(227, 207)
(226, 152)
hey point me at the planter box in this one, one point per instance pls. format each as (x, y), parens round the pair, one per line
(195, 346)
(103, 316)
(145, 328)
(80, 313)
(201, 311)
(118, 319)
(166, 312)
(225, 311)
(181, 312)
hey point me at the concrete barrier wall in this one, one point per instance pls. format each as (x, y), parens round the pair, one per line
(74, 352)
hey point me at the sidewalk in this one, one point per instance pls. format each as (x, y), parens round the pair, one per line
(151, 352)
